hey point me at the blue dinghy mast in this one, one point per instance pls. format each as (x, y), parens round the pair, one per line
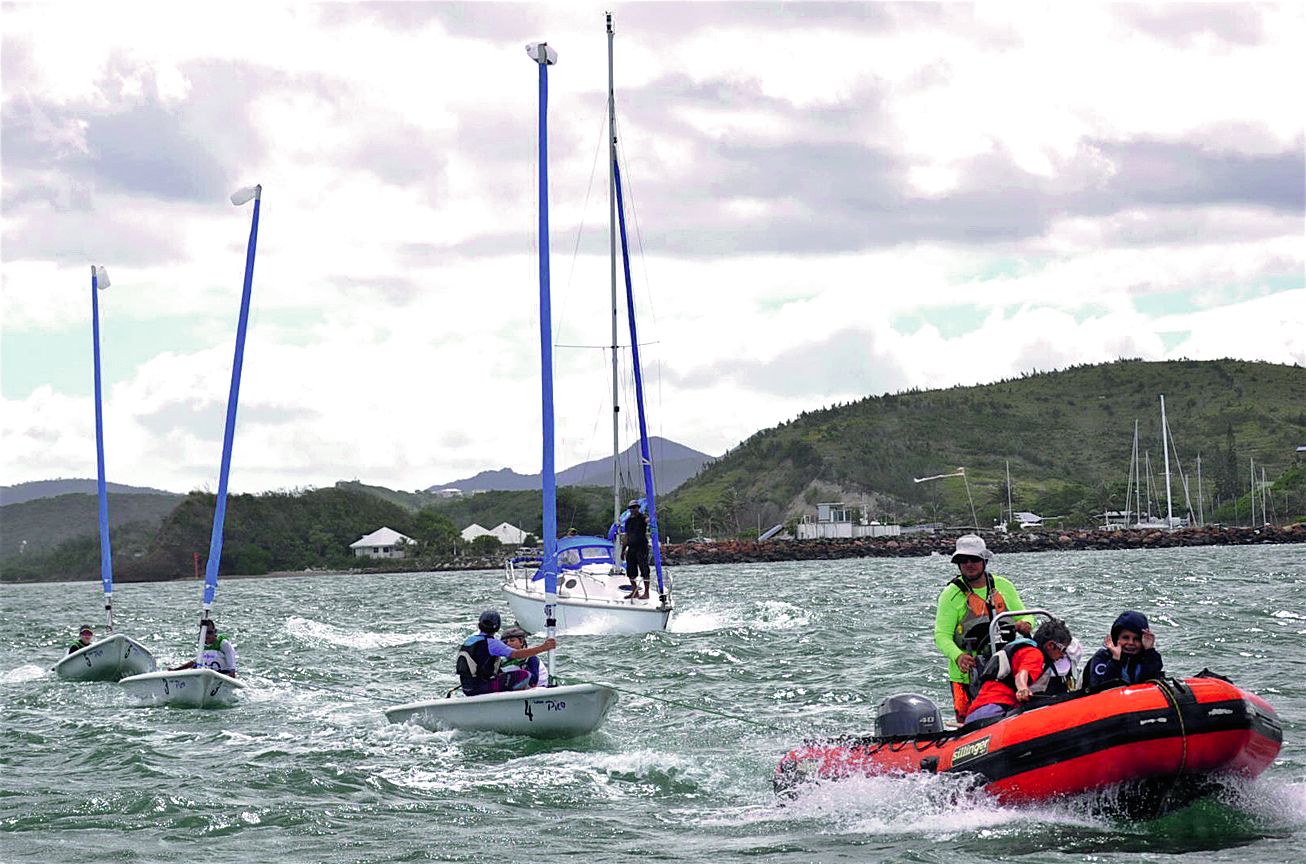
(544, 56)
(233, 397)
(106, 551)
(645, 458)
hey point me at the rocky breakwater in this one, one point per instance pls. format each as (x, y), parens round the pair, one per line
(746, 551)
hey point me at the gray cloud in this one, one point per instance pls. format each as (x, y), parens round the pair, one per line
(207, 419)
(1169, 172)
(142, 145)
(390, 290)
(1177, 226)
(843, 363)
(518, 22)
(1179, 24)
(80, 237)
(840, 196)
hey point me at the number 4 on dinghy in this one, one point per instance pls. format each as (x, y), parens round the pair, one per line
(541, 712)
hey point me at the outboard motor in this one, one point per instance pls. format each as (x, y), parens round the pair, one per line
(907, 715)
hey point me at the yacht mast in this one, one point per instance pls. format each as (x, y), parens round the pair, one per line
(1134, 495)
(1011, 517)
(612, 251)
(1264, 512)
(1251, 495)
(1201, 519)
(1165, 446)
(1151, 493)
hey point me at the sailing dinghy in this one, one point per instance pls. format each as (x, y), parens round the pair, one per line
(541, 712)
(594, 595)
(544, 711)
(202, 687)
(117, 655)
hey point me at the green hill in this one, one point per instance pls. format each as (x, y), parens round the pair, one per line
(38, 525)
(1068, 436)
(294, 530)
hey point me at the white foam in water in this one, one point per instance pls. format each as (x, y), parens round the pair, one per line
(767, 615)
(940, 807)
(697, 622)
(640, 763)
(21, 674)
(779, 615)
(1278, 801)
(315, 630)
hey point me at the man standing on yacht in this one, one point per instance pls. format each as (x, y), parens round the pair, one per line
(636, 549)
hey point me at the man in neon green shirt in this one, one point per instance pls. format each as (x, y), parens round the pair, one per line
(966, 606)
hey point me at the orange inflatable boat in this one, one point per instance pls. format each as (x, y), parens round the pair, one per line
(1163, 741)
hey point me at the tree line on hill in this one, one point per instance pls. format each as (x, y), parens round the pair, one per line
(1067, 437)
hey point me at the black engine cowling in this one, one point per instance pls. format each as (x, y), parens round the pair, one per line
(907, 715)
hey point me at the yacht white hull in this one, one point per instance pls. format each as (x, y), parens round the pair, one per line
(588, 615)
(541, 712)
(187, 688)
(109, 659)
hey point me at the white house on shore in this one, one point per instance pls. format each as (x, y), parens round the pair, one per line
(834, 519)
(382, 543)
(472, 531)
(508, 535)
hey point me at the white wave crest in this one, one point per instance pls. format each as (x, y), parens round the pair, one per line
(779, 615)
(939, 807)
(305, 628)
(24, 673)
(696, 622)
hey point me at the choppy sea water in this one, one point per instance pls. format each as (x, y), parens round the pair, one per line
(759, 656)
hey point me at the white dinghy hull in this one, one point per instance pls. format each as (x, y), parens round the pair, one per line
(591, 616)
(187, 688)
(109, 659)
(541, 712)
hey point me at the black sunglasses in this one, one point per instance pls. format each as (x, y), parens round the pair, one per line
(968, 559)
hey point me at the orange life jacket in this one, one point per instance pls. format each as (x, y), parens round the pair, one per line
(979, 610)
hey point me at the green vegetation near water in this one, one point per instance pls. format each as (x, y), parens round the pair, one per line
(1067, 436)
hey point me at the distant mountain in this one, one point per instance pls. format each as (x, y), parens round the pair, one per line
(20, 492)
(673, 463)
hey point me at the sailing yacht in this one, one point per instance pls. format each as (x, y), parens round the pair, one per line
(594, 592)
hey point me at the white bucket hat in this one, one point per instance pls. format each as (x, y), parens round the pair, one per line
(972, 545)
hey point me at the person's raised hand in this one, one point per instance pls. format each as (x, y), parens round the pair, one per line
(1149, 640)
(1112, 647)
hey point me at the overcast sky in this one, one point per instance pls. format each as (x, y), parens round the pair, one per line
(832, 200)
